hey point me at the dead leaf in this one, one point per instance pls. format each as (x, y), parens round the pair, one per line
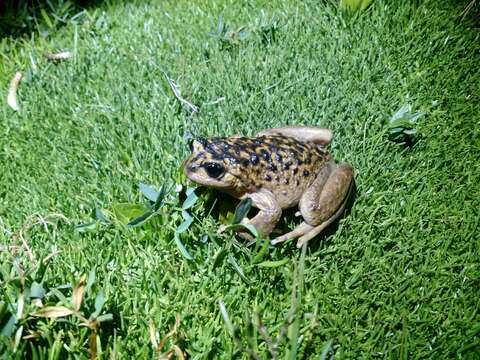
(77, 294)
(12, 91)
(53, 312)
(153, 336)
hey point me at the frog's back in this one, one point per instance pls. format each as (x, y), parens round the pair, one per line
(280, 164)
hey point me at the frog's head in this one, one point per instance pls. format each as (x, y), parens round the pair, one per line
(210, 164)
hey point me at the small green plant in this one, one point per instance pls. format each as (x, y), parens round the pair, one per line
(134, 215)
(267, 28)
(264, 30)
(402, 125)
(229, 38)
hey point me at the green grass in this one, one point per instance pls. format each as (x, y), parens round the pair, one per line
(400, 276)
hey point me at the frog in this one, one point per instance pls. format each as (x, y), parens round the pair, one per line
(278, 169)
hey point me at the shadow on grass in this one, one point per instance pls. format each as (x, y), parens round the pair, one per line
(23, 17)
(220, 203)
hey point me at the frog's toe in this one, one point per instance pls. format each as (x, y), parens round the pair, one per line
(315, 231)
(245, 236)
(299, 231)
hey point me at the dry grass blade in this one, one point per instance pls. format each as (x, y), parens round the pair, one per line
(170, 334)
(92, 342)
(177, 94)
(58, 56)
(178, 352)
(20, 305)
(153, 335)
(468, 8)
(77, 294)
(50, 256)
(37, 303)
(158, 346)
(32, 335)
(53, 312)
(32, 221)
(12, 91)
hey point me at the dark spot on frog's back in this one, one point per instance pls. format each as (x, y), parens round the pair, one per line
(199, 156)
(268, 178)
(306, 173)
(257, 142)
(214, 150)
(272, 167)
(265, 155)
(202, 141)
(254, 158)
(244, 162)
(226, 148)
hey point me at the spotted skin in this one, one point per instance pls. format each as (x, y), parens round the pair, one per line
(270, 162)
(276, 170)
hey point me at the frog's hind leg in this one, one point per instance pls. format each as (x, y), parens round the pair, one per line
(322, 203)
(318, 229)
(317, 135)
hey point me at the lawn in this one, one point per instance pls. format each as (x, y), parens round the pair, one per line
(397, 277)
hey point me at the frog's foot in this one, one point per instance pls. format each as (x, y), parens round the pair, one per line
(299, 231)
(305, 232)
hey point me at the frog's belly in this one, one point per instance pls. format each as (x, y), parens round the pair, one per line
(288, 197)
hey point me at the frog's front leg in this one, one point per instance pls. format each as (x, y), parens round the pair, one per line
(323, 202)
(269, 212)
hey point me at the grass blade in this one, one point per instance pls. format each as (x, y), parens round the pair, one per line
(273, 264)
(326, 348)
(184, 225)
(140, 219)
(182, 248)
(242, 210)
(238, 269)
(190, 200)
(149, 192)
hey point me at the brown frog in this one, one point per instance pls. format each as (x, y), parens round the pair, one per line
(278, 169)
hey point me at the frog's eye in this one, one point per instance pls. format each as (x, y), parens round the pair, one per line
(214, 170)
